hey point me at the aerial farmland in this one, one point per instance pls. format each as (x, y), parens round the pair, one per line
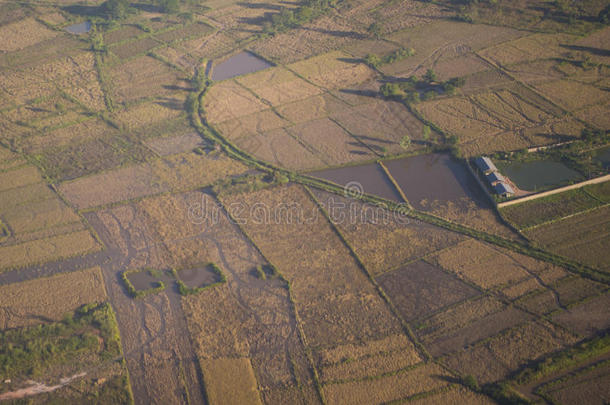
(305, 202)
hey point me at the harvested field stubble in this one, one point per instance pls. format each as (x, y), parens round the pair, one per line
(389, 388)
(378, 236)
(176, 172)
(582, 237)
(24, 304)
(351, 310)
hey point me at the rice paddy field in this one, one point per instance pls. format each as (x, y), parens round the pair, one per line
(271, 202)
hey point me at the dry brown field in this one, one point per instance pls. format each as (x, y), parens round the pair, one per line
(420, 288)
(333, 70)
(587, 318)
(228, 100)
(318, 290)
(22, 34)
(278, 86)
(145, 77)
(49, 299)
(568, 237)
(388, 388)
(41, 227)
(283, 149)
(378, 236)
(189, 170)
(230, 380)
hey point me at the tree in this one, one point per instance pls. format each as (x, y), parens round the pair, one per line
(471, 382)
(115, 9)
(430, 76)
(405, 142)
(426, 132)
(372, 60)
(375, 30)
(169, 6)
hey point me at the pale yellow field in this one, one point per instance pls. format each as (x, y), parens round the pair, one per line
(278, 86)
(230, 381)
(331, 71)
(177, 172)
(482, 264)
(229, 100)
(150, 113)
(29, 302)
(52, 248)
(22, 34)
(394, 387)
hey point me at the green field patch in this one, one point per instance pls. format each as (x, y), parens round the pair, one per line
(84, 346)
(551, 208)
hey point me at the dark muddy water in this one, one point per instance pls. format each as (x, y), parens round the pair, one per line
(540, 174)
(370, 176)
(143, 280)
(80, 28)
(240, 64)
(435, 177)
(198, 276)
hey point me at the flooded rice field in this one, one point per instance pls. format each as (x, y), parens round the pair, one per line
(540, 174)
(237, 65)
(435, 177)
(370, 177)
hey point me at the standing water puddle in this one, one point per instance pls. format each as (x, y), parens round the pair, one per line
(237, 65)
(80, 28)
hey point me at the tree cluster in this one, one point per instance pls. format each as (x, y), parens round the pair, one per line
(414, 90)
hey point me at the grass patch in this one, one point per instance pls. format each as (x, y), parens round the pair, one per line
(31, 351)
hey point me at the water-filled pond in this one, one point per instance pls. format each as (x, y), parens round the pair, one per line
(370, 176)
(539, 174)
(198, 276)
(80, 28)
(143, 280)
(435, 177)
(239, 64)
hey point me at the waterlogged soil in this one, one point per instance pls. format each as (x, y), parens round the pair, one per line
(237, 65)
(369, 177)
(198, 277)
(435, 177)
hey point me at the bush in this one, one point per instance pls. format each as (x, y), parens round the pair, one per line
(115, 9)
(471, 382)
